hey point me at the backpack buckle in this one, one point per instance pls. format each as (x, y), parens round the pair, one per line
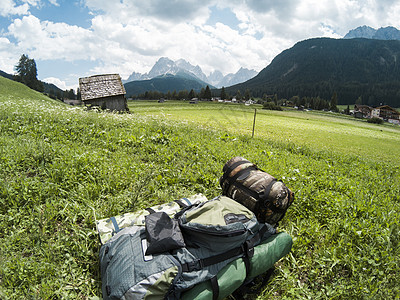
(195, 265)
(248, 249)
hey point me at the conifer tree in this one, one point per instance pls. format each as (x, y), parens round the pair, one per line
(223, 93)
(192, 94)
(27, 73)
(238, 95)
(247, 95)
(207, 93)
(333, 104)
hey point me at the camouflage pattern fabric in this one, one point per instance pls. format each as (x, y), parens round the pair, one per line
(257, 190)
(106, 227)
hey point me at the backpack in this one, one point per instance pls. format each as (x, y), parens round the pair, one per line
(259, 191)
(169, 257)
(109, 227)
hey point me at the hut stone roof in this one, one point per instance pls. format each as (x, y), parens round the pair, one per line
(100, 86)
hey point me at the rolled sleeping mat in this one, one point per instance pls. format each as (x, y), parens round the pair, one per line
(233, 275)
(259, 191)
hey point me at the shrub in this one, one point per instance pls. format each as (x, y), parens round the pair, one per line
(375, 120)
(271, 106)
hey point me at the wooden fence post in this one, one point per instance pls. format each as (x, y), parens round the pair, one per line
(254, 121)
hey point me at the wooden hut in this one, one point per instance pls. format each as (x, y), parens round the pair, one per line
(104, 91)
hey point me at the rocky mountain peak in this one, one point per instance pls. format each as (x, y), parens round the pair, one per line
(361, 32)
(164, 65)
(383, 33)
(387, 33)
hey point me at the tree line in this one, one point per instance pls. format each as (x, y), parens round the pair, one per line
(316, 103)
(62, 95)
(205, 93)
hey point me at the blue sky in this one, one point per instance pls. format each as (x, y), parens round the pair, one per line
(64, 11)
(75, 38)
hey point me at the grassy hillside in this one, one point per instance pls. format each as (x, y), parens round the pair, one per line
(48, 87)
(61, 168)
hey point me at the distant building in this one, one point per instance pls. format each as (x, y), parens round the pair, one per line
(362, 111)
(358, 114)
(104, 91)
(194, 101)
(386, 113)
(72, 102)
(394, 121)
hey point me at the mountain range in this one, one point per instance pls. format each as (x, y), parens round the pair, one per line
(383, 33)
(320, 67)
(183, 68)
(164, 83)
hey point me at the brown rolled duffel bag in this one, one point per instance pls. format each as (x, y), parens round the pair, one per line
(259, 191)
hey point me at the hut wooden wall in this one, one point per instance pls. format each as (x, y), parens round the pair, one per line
(117, 103)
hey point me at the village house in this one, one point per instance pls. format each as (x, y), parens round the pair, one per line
(104, 91)
(387, 113)
(249, 102)
(362, 111)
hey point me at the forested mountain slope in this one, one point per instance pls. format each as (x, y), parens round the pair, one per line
(352, 68)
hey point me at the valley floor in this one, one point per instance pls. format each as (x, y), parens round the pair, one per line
(62, 168)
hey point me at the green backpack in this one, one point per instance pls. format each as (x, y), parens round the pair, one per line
(171, 255)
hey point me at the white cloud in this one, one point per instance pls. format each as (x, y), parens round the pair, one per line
(8, 7)
(146, 31)
(131, 35)
(32, 2)
(11, 8)
(48, 40)
(171, 11)
(393, 15)
(57, 82)
(54, 2)
(8, 56)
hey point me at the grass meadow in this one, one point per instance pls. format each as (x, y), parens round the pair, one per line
(63, 167)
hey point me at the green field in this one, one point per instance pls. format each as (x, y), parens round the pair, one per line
(63, 167)
(320, 131)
